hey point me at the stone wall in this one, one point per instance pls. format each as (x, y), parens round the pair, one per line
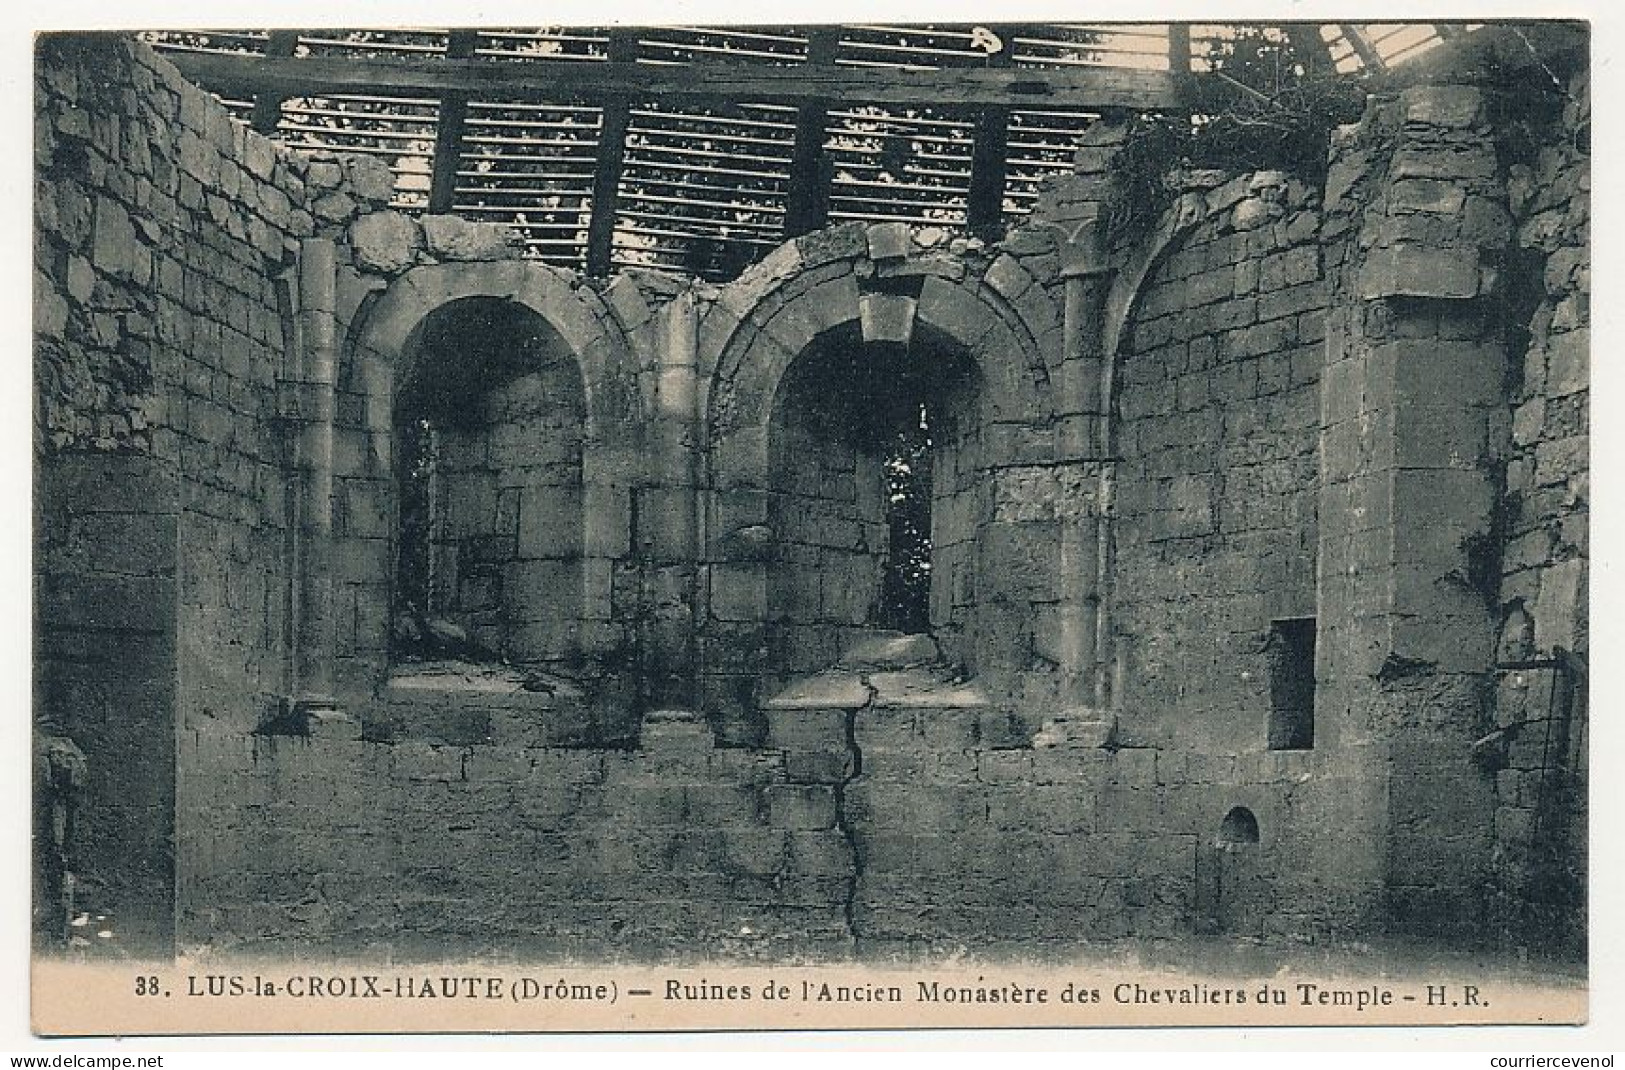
(1540, 859)
(1412, 399)
(106, 677)
(1219, 407)
(160, 228)
(413, 851)
(663, 714)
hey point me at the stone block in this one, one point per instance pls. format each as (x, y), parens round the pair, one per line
(333, 207)
(1428, 195)
(709, 806)
(1008, 278)
(1559, 610)
(890, 650)
(886, 317)
(888, 241)
(823, 854)
(827, 690)
(886, 727)
(801, 806)
(1417, 271)
(1252, 213)
(413, 761)
(109, 603)
(756, 851)
(1568, 362)
(550, 522)
(806, 728)
(675, 733)
(1005, 766)
(737, 593)
(536, 590)
(925, 689)
(828, 766)
(116, 245)
(385, 242)
(136, 544)
(370, 178)
(453, 238)
(1448, 106)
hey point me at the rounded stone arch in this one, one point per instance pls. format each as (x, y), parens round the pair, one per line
(804, 304)
(582, 322)
(750, 360)
(378, 360)
(1128, 284)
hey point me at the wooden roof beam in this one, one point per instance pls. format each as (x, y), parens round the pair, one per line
(268, 106)
(448, 145)
(1370, 58)
(1074, 87)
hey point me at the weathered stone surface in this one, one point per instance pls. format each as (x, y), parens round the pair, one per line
(1079, 728)
(917, 688)
(1247, 469)
(115, 248)
(886, 318)
(334, 207)
(324, 174)
(891, 650)
(1451, 106)
(385, 242)
(453, 238)
(827, 690)
(370, 178)
(889, 241)
(1418, 271)
(1251, 213)
(1427, 195)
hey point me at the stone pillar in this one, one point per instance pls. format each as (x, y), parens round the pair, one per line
(1084, 445)
(668, 517)
(1414, 374)
(312, 404)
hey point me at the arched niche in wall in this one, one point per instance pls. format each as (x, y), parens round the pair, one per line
(779, 351)
(531, 393)
(488, 425)
(872, 473)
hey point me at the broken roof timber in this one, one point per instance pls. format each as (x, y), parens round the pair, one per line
(1073, 87)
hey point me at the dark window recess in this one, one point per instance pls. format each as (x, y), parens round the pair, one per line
(1291, 653)
(1239, 826)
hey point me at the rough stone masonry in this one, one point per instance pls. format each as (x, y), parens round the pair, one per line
(400, 595)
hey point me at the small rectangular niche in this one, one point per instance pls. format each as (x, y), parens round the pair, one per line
(1291, 653)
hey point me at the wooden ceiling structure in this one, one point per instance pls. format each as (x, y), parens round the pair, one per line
(698, 149)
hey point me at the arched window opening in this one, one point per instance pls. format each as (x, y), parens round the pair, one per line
(416, 442)
(872, 451)
(488, 454)
(905, 594)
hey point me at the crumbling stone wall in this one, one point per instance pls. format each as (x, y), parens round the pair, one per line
(160, 334)
(1544, 640)
(160, 227)
(1253, 415)
(1218, 398)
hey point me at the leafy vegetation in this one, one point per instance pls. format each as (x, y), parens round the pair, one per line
(1266, 106)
